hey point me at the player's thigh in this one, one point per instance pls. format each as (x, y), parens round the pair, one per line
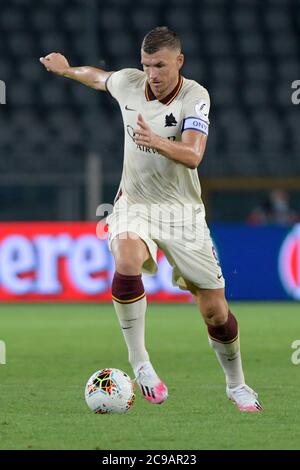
(129, 251)
(130, 241)
(195, 263)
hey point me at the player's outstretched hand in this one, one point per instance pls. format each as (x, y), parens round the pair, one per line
(143, 134)
(55, 62)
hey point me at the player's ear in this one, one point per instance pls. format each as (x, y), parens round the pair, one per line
(180, 60)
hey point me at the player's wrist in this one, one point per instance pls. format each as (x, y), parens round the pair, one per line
(157, 142)
(66, 72)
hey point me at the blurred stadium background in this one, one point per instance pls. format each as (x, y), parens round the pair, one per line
(246, 53)
(61, 156)
(61, 143)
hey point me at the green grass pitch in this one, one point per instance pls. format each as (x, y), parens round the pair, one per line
(51, 351)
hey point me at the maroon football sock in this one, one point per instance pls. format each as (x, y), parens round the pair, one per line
(224, 333)
(127, 289)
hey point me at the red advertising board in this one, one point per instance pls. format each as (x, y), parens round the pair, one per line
(67, 262)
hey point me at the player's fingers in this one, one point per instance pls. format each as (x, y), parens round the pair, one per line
(139, 130)
(141, 121)
(143, 127)
(142, 139)
(43, 61)
(140, 134)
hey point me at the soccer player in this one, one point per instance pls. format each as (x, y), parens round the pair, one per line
(159, 204)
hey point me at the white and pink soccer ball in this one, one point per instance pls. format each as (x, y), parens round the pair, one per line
(109, 391)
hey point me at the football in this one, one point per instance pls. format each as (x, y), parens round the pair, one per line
(109, 391)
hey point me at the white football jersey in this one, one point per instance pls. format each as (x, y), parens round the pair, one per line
(148, 177)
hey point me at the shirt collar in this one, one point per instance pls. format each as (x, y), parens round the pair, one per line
(167, 99)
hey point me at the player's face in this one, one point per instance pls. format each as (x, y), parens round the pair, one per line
(162, 69)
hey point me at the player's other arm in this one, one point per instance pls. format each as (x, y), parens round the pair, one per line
(89, 76)
(189, 151)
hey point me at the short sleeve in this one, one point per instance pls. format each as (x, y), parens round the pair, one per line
(118, 82)
(196, 110)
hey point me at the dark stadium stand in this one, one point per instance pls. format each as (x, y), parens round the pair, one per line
(247, 53)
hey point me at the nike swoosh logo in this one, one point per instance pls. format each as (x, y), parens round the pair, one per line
(129, 109)
(219, 276)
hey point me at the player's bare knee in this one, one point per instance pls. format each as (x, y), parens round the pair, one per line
(213, 306)
(129, 255)
(129, 266)
(129, 261)
(219, 319)
(214, 313)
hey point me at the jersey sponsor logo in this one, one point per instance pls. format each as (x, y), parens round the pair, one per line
(130, 132)
(202, 108)
(129, 109)
(197, 124)
(170, 120)
(143, 148)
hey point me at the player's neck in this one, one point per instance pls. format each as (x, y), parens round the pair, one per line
(169, 90)
(172, 88)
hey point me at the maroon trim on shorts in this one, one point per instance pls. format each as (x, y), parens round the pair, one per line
(224, 333)
(119, 194)
(127, 289)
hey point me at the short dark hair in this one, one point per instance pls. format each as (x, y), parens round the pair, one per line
(160, 37)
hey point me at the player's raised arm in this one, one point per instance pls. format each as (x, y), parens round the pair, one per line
(89, 76)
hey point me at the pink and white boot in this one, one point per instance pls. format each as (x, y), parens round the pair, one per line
(153, 389)
(245, 398)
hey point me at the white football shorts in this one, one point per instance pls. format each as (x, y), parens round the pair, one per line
(186, 244)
